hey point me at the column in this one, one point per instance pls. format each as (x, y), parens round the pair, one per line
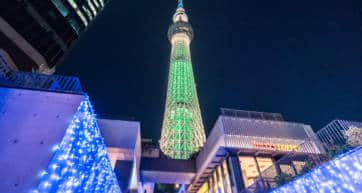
(237, 183)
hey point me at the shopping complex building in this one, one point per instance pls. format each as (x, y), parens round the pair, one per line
(242, 144)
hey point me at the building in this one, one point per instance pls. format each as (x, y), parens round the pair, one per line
(182, 131)
(35, 35)
(245, 149)
(242, 144)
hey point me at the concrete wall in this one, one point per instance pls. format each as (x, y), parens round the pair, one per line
(123, 141)
(31, 123)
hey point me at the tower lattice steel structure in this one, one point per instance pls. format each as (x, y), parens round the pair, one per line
(182, 130)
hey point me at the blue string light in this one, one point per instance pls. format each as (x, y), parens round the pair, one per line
(343, 174)
(80, 162)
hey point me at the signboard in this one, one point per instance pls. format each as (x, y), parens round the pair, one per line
(275, 146)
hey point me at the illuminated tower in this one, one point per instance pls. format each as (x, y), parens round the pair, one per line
(182, 130)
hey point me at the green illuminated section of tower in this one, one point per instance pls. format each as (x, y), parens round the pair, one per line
(182, 130)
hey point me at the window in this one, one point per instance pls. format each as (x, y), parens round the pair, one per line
(249, 169)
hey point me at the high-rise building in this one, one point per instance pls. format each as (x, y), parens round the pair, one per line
(37, 34)
(182, 130)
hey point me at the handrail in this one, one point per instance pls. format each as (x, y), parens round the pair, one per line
(27, 80)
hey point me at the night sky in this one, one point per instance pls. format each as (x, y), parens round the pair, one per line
(302, 59)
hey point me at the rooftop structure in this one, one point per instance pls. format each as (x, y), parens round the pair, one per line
(251, 114)
(28, 80)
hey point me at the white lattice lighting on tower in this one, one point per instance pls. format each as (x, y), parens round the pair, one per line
(182, 130)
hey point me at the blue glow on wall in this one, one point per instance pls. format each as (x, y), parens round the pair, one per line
(343, 174)
(80, 162)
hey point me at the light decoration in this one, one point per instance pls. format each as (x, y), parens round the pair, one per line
(343, 174)
(182, 130)
(80, 162)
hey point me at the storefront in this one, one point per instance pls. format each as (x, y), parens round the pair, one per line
(246, 152)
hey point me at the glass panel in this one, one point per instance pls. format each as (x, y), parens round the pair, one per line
(287, 169)
(220, 180)
(214, 185)
(249, 169)
(226, 177)
(264, 163)
(299, 165)
(204, 188)
(267, 169)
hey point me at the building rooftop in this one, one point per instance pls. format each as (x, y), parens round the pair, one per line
(35, 81)
(251, 114)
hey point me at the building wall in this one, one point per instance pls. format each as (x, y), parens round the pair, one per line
(31, 124)
(123, 140)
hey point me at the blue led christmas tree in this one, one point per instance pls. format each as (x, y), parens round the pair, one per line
(80, 163)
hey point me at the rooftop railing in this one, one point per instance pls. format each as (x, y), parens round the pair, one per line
(27, 80)
(251, 114)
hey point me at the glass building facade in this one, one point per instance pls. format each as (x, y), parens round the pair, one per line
(252, 169)
(37, 34)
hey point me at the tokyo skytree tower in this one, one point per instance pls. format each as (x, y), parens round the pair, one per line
(182, 130)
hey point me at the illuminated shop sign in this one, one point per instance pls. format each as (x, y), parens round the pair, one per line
(273, 146)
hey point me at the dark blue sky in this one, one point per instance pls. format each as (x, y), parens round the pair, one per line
(299, 58)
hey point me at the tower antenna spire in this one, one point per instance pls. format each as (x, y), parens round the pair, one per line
(180, 4)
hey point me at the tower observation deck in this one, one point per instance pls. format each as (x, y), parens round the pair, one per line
(182, 130)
